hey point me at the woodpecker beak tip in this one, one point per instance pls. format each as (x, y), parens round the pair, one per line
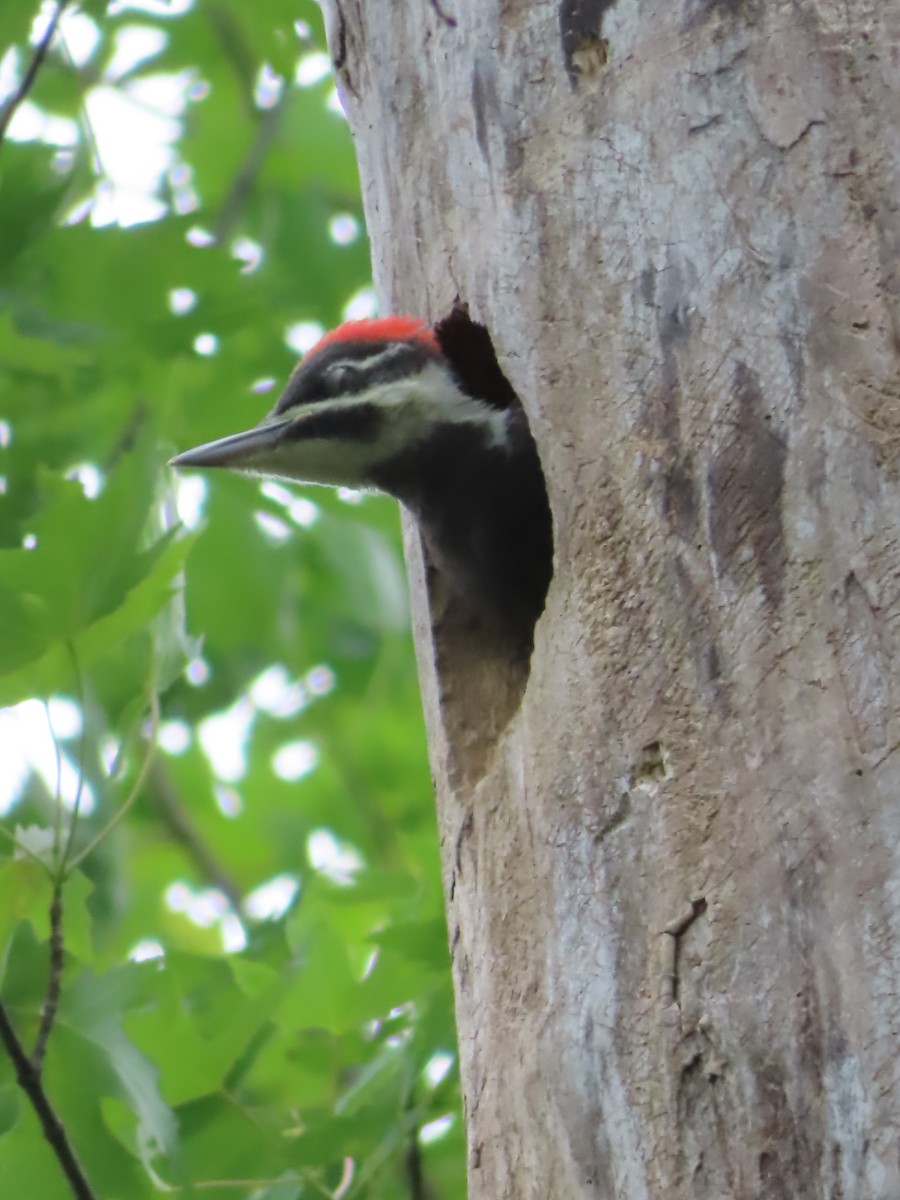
(237, 451)
(191, 458)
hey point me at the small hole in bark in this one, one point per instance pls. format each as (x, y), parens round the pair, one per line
(651, 766)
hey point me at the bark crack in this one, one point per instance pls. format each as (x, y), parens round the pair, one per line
(671, 947)
(617, 819)
(450, 22)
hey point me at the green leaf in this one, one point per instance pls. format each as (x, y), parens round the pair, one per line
(323, 995)
(374, 581)
(95, 1007)
(260, 1070)
(199, 1024)
(31, 194)
(16, 18)
(26, 1167)
(53, 671)
(76, 894)
(10, 1098)
(222, 1140)
(422, 942)
(24, 896)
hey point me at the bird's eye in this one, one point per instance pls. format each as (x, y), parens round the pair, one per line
(341, 377)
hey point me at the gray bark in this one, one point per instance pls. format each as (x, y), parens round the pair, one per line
(672, 857)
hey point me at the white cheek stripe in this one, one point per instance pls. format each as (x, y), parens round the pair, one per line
(432, 395)
(428, 396)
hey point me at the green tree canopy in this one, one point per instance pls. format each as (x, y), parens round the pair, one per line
(213, 751)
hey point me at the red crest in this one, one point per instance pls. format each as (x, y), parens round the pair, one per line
(379, 329)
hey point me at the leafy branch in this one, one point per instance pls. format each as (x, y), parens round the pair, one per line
(54, 981)
(57, 942)
(29, 1079)
(29, 1069)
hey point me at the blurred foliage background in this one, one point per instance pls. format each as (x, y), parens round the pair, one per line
(212, 743)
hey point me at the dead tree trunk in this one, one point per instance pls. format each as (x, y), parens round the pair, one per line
(672, 859)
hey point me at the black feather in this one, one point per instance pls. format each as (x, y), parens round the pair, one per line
(483, 513)
(354, 423)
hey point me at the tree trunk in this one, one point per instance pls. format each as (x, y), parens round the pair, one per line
(670, 859)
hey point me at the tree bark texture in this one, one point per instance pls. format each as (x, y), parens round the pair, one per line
(672, 855)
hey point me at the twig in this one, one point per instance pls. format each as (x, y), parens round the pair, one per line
(89, 131)
(54, 982)
(40, 53)
(62, 864)
(178, 822)
(57, 794)
(129, 800)
(414, 1170)
(238, 54)
(241, 189)
(29, 1081)
(57, 943)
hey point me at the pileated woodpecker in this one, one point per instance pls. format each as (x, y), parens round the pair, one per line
(390, 404)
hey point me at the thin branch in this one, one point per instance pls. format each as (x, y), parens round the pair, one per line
(62, 864)
(414, 1168)
(414, 1172)
(89, 131)
(40, 53)
(54, 982)
(57, 944)
(237, 53)
(241, 189)
(29, 1081)
(357, 784)
(57, 794)
(178, 821)
(137, 786)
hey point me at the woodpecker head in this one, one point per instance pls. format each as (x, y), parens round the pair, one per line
(379, 404)
(363, 397)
